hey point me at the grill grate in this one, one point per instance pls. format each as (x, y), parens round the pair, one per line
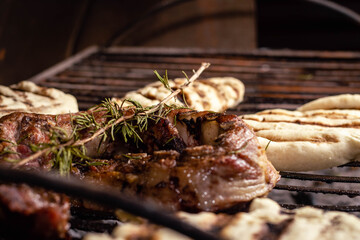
(333, 189)
(273, 79)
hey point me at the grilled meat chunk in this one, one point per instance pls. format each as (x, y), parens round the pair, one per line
(38, 213)
(189, 160)
(218, 164)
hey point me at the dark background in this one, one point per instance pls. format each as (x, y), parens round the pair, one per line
(35, 35)
(302, 25)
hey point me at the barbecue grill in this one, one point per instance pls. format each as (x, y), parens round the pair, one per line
(272, 78)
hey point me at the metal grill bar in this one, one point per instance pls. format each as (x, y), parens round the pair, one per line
(322, 178)
(269, 78)
(349, 193)
(325, 207)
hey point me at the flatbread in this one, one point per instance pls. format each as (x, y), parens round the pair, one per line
(343, 101)
(28, 97)
(215, 94)
(265, 220)
(308, 140)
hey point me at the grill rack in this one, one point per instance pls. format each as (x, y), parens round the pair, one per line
(326, 188)
(272, 78)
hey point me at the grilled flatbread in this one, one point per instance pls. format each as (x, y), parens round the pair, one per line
(265, 220)
(313, 139)
(28, 97)
(215, 94)
(343, 101)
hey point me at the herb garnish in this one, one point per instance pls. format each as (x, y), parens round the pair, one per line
(68, 148)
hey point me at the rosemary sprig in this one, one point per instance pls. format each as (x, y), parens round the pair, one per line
(65, 148)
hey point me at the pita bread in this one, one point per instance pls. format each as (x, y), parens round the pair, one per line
(28, 97)
(215, 94)
(343, 101)
(265, 220)
(308, 140)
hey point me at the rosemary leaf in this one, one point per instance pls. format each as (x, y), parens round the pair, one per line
(168, 141)
(112, 132)
(267, 145)
(10, 160)
(96, 163)
(164, 80)
(8, 141)
(102, 140)
(184, 99)
(135, 103)
(7, 150)
(186, 76)
(124, 132)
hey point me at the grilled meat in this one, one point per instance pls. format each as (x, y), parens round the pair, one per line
(190, 160)
(38, 213)
(220, 166)
(187, 161)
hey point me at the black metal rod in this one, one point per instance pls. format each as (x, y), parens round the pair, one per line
(320, 178)
(108, 197)
(349, 193)
(355, 208)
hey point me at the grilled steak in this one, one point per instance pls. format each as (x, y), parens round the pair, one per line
(220, 166)
(187, 161)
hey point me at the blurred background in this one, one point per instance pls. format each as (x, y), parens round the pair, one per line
(35, 35)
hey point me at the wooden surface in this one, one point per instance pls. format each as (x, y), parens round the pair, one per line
(203, 23)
